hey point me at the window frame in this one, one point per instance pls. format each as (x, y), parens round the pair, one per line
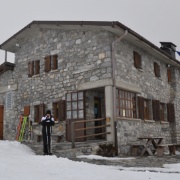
(126, 103)
(137, 60)
(162, 111)
(55, 111)
(39, 112)
(70, 109)
(147, 110)
(169, 74)
(33, 68)
(157, 70)
(51, 63)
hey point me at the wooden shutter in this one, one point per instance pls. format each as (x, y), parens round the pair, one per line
(141, 107)
(156, 110)
(41, 111)
(31, 69)
(62, 110)
(26, 110)
(36, 113)
(156, 69)
(170, 112)
(137, 60)
(37, 67)
(55, 62)
(169, 74)
(47, 63)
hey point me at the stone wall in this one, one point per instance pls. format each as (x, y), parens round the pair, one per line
(8, 88)
(151, 88)
(83, 56)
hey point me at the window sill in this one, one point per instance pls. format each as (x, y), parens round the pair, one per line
(128, 119)
(164, 122)
(149, 121)
(141, 70)
(34, 76)
(159, 78)
(56, 70)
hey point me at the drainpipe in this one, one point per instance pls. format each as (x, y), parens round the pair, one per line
(5, 56)
(114, 88)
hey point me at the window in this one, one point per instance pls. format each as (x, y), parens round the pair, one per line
(51, 63)
(33, 68)
(169, 74)
(162, 112)
(75, 105)
(146, 109)
(59, 110)
(39, 111)
(26, 110)
(37, 67)
(126, 104)
(156, 69)
(9, 100)
(137, 60)
(156, 110)
(170, 113)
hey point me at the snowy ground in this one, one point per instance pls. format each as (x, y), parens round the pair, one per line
(18, 162)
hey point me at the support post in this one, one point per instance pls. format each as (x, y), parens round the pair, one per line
(72, 135)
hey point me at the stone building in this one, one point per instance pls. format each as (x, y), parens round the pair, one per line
(91, 70)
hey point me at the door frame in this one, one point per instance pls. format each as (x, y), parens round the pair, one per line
(69, 120)
(1, 121)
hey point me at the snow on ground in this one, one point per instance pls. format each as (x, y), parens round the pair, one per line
(18, 162)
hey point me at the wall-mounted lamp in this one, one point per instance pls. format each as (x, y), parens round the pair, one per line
(168, 65)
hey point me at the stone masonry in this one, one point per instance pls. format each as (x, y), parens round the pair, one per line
(85, 60)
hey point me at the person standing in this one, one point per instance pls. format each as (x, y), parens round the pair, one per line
(47, 122)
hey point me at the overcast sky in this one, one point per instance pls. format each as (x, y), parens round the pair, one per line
(156, 20)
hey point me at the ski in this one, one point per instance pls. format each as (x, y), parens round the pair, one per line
(19, 128)
(23, 129)
(29, 130)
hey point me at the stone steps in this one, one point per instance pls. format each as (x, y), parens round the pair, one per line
(64, 149)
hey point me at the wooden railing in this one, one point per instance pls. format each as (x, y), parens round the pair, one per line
(73, 130)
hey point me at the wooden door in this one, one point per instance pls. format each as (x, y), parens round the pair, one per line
(1, 121)
(75, 111)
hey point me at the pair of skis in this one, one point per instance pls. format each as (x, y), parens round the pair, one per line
(22, 128)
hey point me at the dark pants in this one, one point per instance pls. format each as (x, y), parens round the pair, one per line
(46, 139)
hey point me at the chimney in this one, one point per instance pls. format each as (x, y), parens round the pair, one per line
(169, 48)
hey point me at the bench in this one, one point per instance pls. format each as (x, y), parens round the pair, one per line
(135, 149)
(161, 147)
(57, 136)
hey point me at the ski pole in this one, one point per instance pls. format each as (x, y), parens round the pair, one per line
(47, 142)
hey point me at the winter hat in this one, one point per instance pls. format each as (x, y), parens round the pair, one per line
(48, 112)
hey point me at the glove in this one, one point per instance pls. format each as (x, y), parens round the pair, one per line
(52, 123)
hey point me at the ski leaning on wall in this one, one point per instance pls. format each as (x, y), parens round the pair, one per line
(19, 128)
(24, 129)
